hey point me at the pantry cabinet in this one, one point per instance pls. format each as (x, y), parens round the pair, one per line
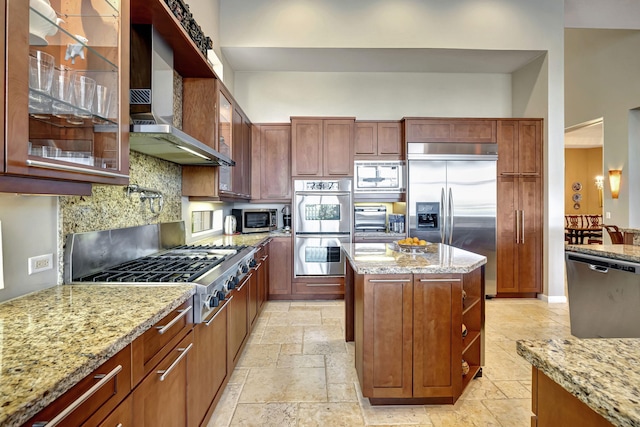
(271, 163)
(520, 213)
(65, 122)
(322, 147)
(377, 140)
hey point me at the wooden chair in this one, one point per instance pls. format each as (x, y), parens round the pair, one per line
(615, 234)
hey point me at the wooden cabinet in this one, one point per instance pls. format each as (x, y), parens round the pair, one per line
(318, 288)
(161, 398)
(408, 335)
(112, 382)
(241, 154)
(280, 268)
(271, 163)
(238, 327)
(321, 146)
(520, 212)
(54, 143)
(207, 367)
(262, 273)
(378, 140)
(121, 416)
(451, 130)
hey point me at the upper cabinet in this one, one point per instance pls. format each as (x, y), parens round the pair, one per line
(520, 147)
(378, 140)
(322, 147)
(66, 117)
(451, 130)
(271, 163)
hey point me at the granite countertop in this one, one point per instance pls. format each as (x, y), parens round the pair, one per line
(386, 234)
(384, 258)
(51, 339)
(619, 252)
(250, 239)
(602, 373)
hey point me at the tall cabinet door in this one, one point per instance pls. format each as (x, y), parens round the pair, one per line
(338, 155)
(436, 344)
(508, 222)
(306, 147)
(530, 247)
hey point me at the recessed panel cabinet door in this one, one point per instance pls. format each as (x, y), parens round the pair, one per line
(338, 155)
(306, 147)
(530, 248)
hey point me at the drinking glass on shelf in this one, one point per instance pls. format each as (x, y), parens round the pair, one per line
(41, 66)
(62, 90)
(83, 91)
(101, 104)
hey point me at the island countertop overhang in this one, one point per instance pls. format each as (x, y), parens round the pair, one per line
(382, 258)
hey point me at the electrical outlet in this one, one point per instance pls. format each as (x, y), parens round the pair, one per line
(607, 215)
(40, 263)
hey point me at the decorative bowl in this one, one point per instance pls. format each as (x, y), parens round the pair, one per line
(41, 22)
(414, 248)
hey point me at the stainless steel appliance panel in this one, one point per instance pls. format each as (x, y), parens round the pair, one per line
(604, 295)
(319, 255)
(256, 220)
(322, 206)
(370, 218)
(376, 176)
(465, 192)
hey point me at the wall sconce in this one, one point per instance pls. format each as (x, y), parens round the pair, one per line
(614, 182)
(599, 186)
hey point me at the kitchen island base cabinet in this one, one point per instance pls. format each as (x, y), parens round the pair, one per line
(553, 406)
(409, 344)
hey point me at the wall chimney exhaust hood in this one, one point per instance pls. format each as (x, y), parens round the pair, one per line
(151, 105)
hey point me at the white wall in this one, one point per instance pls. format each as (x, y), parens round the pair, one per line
(276, 96)
(29, 227)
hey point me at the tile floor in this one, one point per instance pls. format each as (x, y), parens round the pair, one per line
(297, 370)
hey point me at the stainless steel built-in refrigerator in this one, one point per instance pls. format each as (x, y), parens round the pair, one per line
(452, 198)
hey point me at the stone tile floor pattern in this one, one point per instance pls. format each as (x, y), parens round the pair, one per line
(297, 370)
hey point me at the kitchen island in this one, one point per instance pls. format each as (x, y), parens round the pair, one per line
(417, 320)
(591, 382)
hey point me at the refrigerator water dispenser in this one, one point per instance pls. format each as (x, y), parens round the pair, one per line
(428, 215)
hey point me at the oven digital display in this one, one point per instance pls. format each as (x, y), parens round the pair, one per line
(322, 212)
(322, 254)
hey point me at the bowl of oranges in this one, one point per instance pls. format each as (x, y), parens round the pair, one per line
(412, 244)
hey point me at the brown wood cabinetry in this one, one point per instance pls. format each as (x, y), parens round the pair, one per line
(520, 213)
(56, 147)
(378, 140)
(321, 146)
(451, 130)
(318, 288)
(161, 398)
(207, 367)
(262, 273)
(408, 335)
(271, 163)
(238, 326)
(280, 268)
(121, 416)
(112, 382)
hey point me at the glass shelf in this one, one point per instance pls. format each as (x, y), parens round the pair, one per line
(62, 113)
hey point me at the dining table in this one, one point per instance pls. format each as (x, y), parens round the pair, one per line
(577, 233)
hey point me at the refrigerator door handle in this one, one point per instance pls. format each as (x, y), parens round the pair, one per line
(443, 222)
(450, 215)
(517, 226)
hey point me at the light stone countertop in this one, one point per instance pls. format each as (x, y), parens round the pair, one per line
(384, 258)
(250, 239)
(619, 252)
(602, 373)
(51, 339)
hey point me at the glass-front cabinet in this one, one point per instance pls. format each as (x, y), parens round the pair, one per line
(66, 112)
(225, 111)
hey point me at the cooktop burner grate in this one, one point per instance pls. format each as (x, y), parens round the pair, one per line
(166, 268)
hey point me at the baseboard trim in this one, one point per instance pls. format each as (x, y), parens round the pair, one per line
(553, 299)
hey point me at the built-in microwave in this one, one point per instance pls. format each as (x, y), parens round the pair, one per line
(255, 220)
(379, 176)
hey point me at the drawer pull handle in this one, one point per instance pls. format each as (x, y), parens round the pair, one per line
(79, 401)
(245, 281)
(183, 352)
(165, 328)
(440, 280)
(208, 322)
(312, 285)
(390, 280)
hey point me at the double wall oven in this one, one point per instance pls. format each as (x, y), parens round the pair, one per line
(322, 218)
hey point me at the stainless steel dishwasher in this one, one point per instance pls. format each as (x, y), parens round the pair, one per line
(604, 296)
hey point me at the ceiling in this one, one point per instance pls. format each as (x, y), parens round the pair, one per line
(377, 60)
(584, 136)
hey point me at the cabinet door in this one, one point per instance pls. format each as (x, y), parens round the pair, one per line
(338, 153)
(253, 298)
(530, 147)
(121, 416)
(225, 136)
(271, 163)
(390, 139)
(263, 275)
(161, 398)
(306, 147)
(508, 220)
(365, 138)
(437, 336)
(451, 130)
(530, 248)
(386, 353)
(238, 328)
(280, 269)
(207, 365)
(507, 147)
(49, 133)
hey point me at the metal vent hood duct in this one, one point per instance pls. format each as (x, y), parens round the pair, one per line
(151, 104)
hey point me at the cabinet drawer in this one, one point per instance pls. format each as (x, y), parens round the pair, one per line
(157, 342)
(93, 398)
(329, 286)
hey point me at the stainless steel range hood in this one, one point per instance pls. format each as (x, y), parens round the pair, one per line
(151, 102)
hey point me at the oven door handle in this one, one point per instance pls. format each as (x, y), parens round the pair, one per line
(323, 235)
(322, 193)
